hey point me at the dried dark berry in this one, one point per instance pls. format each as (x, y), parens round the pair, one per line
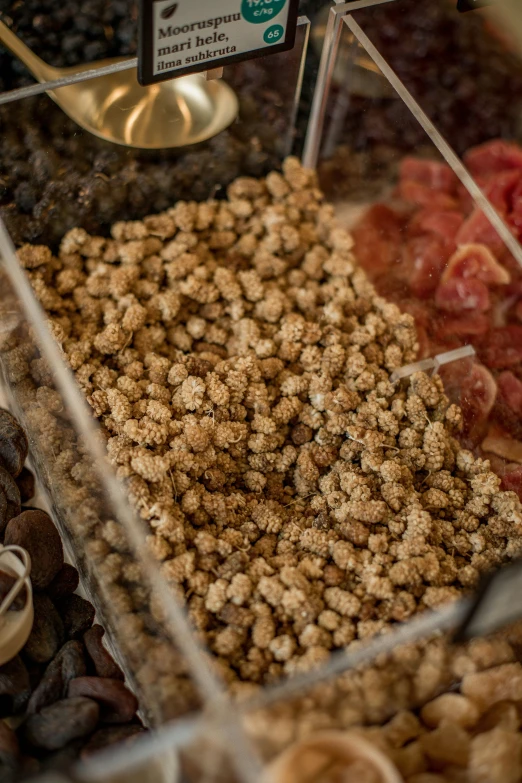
(301, 434)
(6, 583)
(35, 531)
(47, 634)
(119, 705)
(15, 688)
(77, 615)
(62, 722)
(104, 664)
(64, 583)
(9, 749)
(13, 444)
(25, 483)
(110, 735)
(10, 505)
(68, 664)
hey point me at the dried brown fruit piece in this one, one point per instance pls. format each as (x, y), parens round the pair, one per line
(64, 583)
(119, 704)
(26, 484)
(35, 532)
(9, 748)
(10, 504)
(13, 444)
(58, 724)
(47, 634)
(103, 662)
(77, 615)
(111, 735)
(15, 687)
(68, 664)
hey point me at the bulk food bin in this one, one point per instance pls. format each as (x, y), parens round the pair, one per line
(374, 163)
(65, 179)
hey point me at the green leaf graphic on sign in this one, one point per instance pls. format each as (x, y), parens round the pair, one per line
(260, 11)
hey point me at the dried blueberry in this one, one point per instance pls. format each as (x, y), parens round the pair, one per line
(13, 444)
(119, 705)
(64, 583)
(35, 531)
(68, 664)
(47, 633)
(10, 505)
(62, 722)
(104, 664)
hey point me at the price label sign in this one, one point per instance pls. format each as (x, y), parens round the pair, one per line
(472, 5)
(190, 36)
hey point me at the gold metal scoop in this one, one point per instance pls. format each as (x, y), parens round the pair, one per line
(117, 108)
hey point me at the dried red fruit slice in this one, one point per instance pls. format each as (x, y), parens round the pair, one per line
(502, 347)
(510, 390)
(478, 229)
(492, 157)
(503, 446)
(378, 238)
(424, 196)
(425, 258)
(436, 175)
(478, 262)
(500, 189)
(444, 223)
(461, 326)
(513, 481)
(459, 294)
(470, 385)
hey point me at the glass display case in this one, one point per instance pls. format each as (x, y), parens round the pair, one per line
(263, 416)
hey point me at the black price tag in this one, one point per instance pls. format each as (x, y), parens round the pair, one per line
(498, 603)
(472, 5)
(190, 36)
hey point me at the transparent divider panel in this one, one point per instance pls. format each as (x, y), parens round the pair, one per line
(429, 710)
(104, 540)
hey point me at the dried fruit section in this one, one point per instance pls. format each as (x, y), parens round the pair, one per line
(431, 250)
(239, 363)
(63, 695)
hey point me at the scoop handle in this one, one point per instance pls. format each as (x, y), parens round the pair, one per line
(40, 70)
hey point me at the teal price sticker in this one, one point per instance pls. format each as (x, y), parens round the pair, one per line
(273, 34)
